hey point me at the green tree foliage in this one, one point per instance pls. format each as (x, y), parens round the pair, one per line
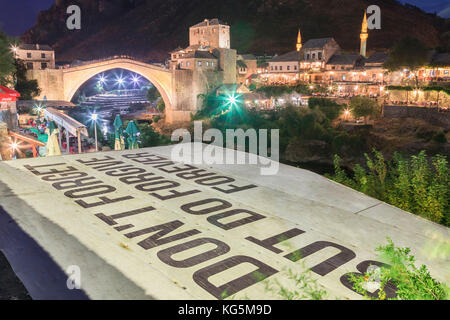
(362, 106)
(153, 94)
(330, 108)
(28, 89)
(160, 105)
(419, 184)
(407, 53)
(277, 91)
(150, 138)
(7, 67)
(412, 283)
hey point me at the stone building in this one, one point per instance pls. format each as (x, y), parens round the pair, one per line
(210, 33)
(321, 61)
(35, 56)
(247, 67)
(203, 66)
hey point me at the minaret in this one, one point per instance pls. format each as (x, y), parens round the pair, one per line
(364, 35)
(299, 41)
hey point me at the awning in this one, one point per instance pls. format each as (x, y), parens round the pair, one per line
(7, 94)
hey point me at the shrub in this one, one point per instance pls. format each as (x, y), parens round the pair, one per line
(419, 185)
(411, 283)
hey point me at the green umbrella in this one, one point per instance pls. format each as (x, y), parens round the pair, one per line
(51, 126)
(118, 131)
(132, 132)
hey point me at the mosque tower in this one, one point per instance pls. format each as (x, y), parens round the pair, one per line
(364, 35)
(299, 41)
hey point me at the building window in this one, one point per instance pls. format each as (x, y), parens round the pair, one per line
(199, 63)
(207, 63)
(295, 67)
(343, 78)
(319, 55)
(44, 65)
(342, 68)
(289, 67)
(307, 56)
(281, 68)
(212, 64)
(43, 55)
(28, 54)
(188, 64)
(271, 68)
(313, 56)
(276, 68)
(181, 64)
(30, 66)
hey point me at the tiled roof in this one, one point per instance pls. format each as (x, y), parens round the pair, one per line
(200, 54)
(42, 47)
(344, 59)
(378, 57)
(212, 22)
(290, 56)
(316, 43)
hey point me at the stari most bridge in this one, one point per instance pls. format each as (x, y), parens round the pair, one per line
(63, 83)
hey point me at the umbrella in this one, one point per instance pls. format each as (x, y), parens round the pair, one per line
(53, 148)
(118, 132)
(132, 132)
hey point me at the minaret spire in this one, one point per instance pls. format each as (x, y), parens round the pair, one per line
(364, 35)
(299, 41)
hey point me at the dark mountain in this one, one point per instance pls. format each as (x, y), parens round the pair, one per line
(149, 29)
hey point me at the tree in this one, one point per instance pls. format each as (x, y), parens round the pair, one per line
(28, 88)
(363, 107)
(330, 108)
(153, 94)
(407, 53)
(7, 67)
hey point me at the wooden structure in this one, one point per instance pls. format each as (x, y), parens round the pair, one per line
(22, 142)
(71, 126)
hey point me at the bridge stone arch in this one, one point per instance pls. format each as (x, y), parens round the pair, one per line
(161, 78)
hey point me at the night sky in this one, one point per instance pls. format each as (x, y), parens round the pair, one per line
(17, 16)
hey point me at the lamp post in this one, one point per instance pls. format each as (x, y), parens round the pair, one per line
(94, 118)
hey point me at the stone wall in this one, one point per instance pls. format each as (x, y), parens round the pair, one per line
(431, 115)
(50, 82)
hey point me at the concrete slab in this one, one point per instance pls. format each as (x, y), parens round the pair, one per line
(140, 227)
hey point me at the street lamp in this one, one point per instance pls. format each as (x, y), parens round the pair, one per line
(94, 117)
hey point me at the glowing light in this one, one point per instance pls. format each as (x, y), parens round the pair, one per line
(311, 87)
(232, 100)
(14, 48)
(94, 117)
(135, 79)
(356, 87)
(346, 112)
(381, 88)
(14, 146)
(340, 88)
(120, 81)
(330, 88)
(102, 79)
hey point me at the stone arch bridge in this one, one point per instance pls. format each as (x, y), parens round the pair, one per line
(178, 88)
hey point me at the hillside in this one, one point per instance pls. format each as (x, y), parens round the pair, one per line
(149, 29)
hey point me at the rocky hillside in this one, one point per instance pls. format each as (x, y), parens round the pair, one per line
(149, 29)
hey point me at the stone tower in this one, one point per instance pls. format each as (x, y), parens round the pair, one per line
(299, 41)
(364, 35)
